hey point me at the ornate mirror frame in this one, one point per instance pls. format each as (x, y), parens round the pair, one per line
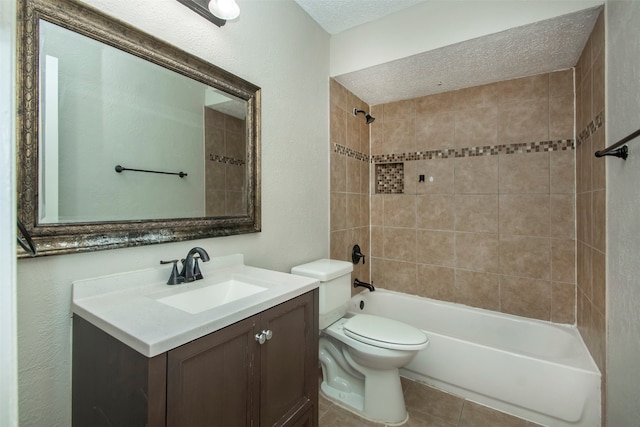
(62, 238)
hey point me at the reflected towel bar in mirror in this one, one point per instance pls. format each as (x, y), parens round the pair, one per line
(122, 168)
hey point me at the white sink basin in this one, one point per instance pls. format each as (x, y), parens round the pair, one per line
(201, 299)
(142, 311)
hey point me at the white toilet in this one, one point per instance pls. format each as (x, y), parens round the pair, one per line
(360, 354)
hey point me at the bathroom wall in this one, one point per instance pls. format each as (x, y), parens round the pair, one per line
(8, 320)
(274, 45)
(591, 196)
(349, 148)
(623, 210)
(485, 215)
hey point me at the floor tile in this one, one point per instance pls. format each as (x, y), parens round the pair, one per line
(427, 407)
(336, 416)
(418, 419)
(431, 401)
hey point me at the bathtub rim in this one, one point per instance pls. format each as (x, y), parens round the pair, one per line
(585, 361)
(591, 376)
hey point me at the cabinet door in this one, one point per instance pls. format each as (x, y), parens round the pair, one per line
(112, 384)
(289, 363)
(210, 381)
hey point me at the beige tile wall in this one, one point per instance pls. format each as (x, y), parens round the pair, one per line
(591, 197)
(224, 164)
(512, 232)
(349, 147)
(487, 229)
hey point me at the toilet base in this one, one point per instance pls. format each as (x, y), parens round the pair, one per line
(354, 403)
(373, 394)
(364, 377)
(350, 401)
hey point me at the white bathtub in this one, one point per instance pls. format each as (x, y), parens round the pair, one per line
(535, 370)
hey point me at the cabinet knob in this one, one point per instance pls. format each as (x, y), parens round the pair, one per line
(263, 336)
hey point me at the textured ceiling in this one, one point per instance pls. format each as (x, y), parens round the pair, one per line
(336, 16)
(544, 46)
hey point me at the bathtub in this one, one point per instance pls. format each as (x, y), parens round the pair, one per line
(535, 370)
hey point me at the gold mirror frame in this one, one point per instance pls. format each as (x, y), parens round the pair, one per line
(62, 238)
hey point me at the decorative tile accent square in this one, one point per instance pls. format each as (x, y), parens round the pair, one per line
(390, 178)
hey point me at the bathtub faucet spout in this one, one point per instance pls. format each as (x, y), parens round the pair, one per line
(369, 286)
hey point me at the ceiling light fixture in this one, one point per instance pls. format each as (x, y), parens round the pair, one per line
(224, 9)
(216, 11)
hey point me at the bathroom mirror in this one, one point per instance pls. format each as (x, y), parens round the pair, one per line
(125, 140)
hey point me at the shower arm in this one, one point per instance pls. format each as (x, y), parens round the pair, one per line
(367, 116)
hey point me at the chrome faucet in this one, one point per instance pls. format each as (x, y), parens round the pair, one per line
(190, 268)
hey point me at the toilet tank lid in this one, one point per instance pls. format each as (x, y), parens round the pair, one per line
(323, 269)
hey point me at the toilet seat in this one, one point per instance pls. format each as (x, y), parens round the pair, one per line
(386, 333)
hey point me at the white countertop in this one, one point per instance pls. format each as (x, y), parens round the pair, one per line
(125, 305)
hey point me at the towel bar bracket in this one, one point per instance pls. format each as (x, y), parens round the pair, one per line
(622, 153)
(619, 149)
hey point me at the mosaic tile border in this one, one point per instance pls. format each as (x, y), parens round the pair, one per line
(350, 152)
(525, 147)
(227, 160)
(591, 128)
(487, 150)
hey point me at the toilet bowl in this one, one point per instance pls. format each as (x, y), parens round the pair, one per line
(360, 355)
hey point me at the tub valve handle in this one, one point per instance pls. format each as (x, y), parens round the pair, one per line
(356, 254)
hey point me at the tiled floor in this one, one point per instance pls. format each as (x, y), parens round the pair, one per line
(427, 407)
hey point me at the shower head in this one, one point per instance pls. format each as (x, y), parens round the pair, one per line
(367, 116)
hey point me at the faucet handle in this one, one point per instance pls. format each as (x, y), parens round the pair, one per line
(175, 277)
(197, 274)
(183, 272)
(356, 254)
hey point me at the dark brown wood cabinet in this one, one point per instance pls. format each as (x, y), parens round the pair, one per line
(226, 378)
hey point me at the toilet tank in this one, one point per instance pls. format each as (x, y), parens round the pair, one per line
(335, 286)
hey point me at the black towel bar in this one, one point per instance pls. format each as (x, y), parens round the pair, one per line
(122, 168)
(616, 150)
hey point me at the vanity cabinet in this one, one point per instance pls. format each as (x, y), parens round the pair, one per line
(226, 378)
